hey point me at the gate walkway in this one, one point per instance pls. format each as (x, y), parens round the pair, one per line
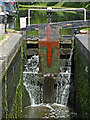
(61, 25)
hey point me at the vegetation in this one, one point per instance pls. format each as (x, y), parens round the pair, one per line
(6, 104)
(55, 4)
(2, 37)
(32, 33)
(17, 104)
(81, 78)
(85, 29)
(9, 30)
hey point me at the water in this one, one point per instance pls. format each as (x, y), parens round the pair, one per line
(46, 111)
(34, 82)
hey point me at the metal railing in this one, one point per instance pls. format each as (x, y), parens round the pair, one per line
(50, 9)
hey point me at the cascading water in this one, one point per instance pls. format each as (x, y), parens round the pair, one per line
(34, 84)
(30, 79)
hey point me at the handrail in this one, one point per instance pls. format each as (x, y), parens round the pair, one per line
(69, 9)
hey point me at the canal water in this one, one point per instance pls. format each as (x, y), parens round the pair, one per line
(24, 89)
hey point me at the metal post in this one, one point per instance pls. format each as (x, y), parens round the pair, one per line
(29, 17)
(73, 30)
(84, 14)
(49, 12)
(49, 16)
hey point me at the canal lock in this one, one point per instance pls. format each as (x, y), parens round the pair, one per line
(28, 96)
(31, 93)
(49, 93)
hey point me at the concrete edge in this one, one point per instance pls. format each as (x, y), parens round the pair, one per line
(83, 49)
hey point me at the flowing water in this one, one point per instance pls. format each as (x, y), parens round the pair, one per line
(34, 82)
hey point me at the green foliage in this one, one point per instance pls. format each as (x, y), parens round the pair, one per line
(66, 16)
(56, 4)
(17, 104)
(25, 3)
(6, 104)
(61, 4)
(85, 29)
(65, 31)
(88, 6)
(51, 3)
(2, 37)
(32, 33)
(38, 17)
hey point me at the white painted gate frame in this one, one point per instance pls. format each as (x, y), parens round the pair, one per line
(49, 8)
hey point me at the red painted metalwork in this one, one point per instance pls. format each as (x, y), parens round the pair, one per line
(49, 43)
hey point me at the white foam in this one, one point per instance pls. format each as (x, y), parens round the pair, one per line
(55, 104)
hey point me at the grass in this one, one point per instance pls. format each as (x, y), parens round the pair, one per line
(32, 33)
(85, 29)
(65, 31)
(2, 37)
(9, 30)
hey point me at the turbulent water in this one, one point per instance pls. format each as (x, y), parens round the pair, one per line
(34, 83)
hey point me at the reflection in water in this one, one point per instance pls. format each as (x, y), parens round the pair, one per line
(36, 87)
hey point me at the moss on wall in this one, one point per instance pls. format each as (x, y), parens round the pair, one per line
(17, 104)
(54, 68)
(81, 78)
(12, 100)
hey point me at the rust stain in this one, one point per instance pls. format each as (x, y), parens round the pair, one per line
(49, 43)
